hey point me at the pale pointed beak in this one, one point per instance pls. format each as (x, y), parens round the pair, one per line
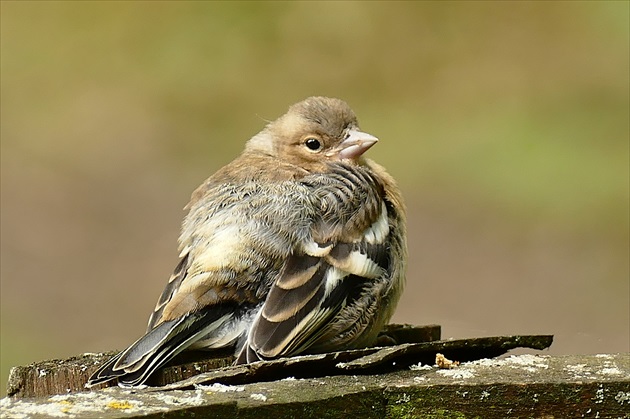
(355, 144)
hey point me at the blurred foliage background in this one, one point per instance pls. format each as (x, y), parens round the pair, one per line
(506, 124)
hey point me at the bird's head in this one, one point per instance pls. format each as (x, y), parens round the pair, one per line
(313, 132)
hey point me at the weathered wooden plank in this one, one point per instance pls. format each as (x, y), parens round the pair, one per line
(63, 376)
(70, 375)
(457, 349)
(363, 361)
(521, 386)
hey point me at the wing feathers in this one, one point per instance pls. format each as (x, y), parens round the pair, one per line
(171, 288)
(297, 271)
(272, 339)
(282, 304)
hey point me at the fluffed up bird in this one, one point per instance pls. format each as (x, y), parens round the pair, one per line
(298, 246)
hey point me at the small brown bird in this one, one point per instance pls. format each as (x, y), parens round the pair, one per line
(297, 246)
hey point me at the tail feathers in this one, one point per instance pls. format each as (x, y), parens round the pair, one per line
(133, 366)
(134, 357)
(105, 373)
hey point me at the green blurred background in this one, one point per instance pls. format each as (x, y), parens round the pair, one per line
(506, 124)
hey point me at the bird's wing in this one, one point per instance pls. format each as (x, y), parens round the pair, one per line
(173, 285)
(346, 251)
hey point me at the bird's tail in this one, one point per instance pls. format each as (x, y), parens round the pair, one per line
(133, 366)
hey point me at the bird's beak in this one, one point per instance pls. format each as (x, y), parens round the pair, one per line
(355, 144)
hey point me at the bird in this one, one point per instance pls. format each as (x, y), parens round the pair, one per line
(298, 246)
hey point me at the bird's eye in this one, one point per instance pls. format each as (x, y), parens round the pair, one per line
(313, 144)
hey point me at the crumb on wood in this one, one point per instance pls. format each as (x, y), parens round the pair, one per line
(444, 363)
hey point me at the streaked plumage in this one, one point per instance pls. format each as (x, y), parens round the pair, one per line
(289, 249)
